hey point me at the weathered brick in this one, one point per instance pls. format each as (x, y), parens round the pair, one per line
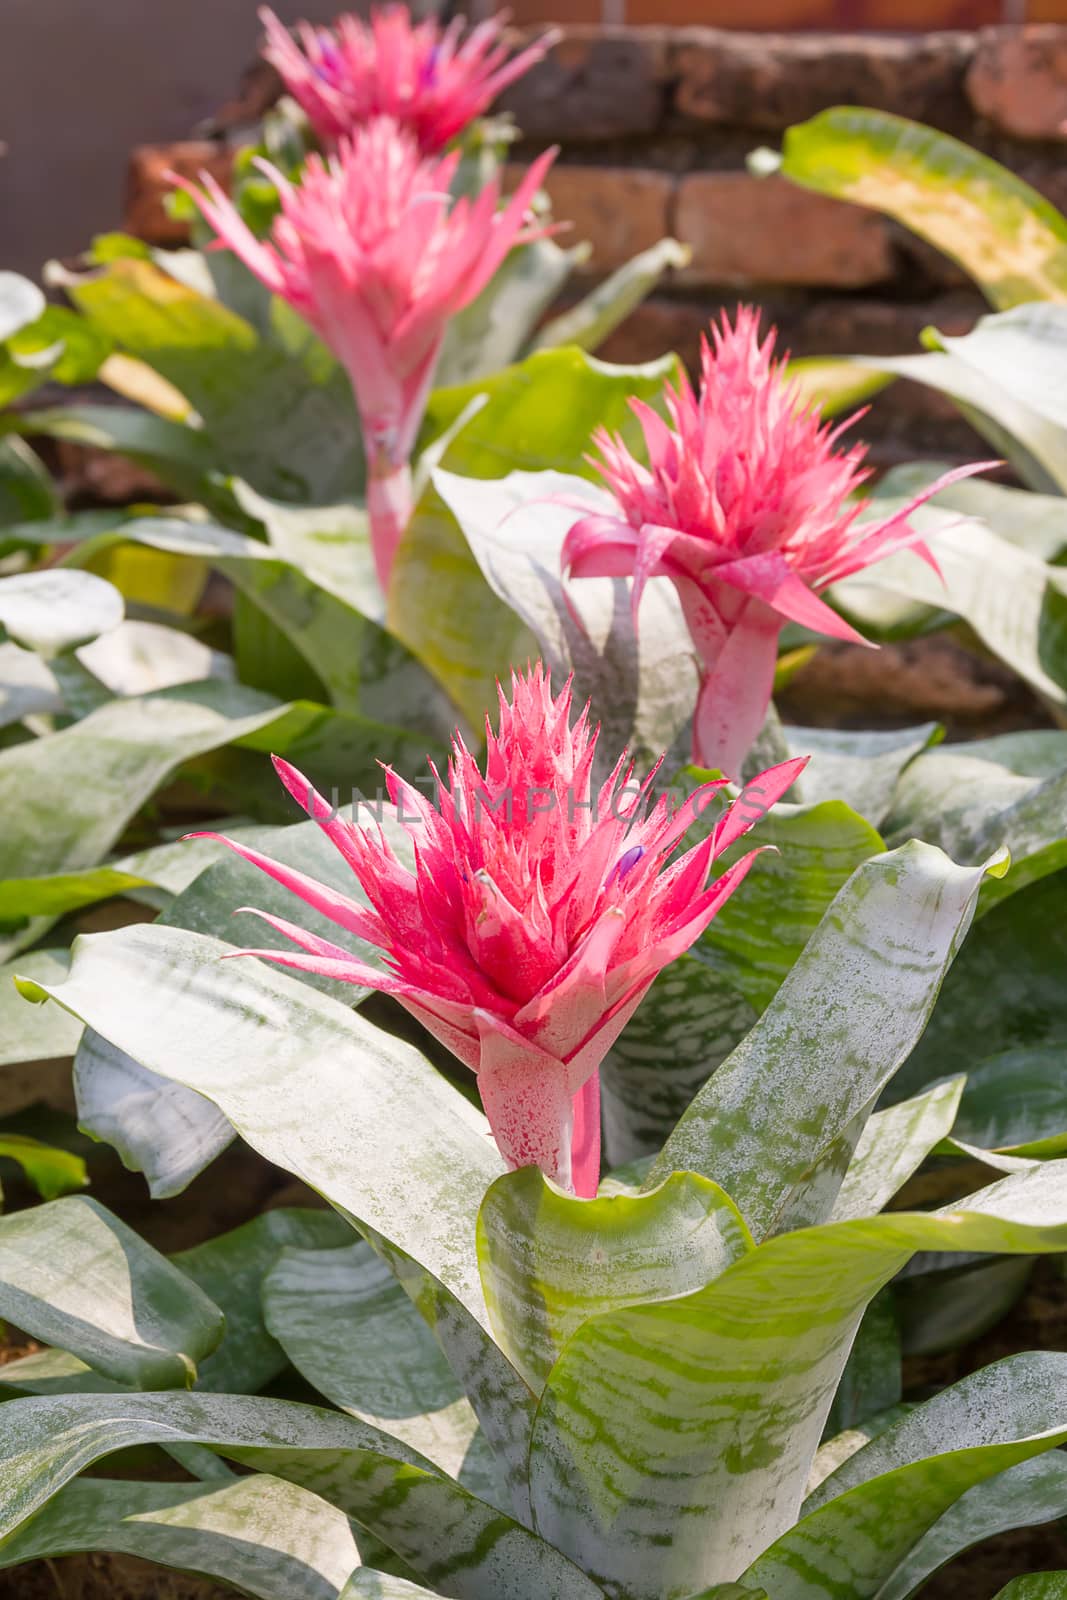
(745, 230)
(761, 80)
(1018, 79)
(656, 326)
(596, 83)
(147, 185)
(619, 210)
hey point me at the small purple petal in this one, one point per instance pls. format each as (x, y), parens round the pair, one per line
(625, 864)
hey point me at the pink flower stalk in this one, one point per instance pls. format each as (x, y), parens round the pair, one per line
(370, 249)
(538, 914)
(431, 80)
(746, 506)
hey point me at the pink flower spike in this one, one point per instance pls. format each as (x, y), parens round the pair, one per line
(539, 911)
(748, 506)
(371, 251)
(432, 81)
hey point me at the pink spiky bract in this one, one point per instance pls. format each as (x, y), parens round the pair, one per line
(539, 912)
(747, 504)
(374, 254)
(434, 81)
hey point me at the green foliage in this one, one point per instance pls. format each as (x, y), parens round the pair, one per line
(1009, 238)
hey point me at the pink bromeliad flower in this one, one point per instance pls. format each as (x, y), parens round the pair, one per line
(433, 80)
(370, 249)
(539, 912)
(746, 506)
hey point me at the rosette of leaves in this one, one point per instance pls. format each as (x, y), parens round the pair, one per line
(686, 1387)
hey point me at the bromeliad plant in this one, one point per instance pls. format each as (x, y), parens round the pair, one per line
(540, 910)
(638, 1395)
(431, 80)
(373, 252)
(750, 510)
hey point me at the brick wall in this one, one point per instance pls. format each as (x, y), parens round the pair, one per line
(655, 125)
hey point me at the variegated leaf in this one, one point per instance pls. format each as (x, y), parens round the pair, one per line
(549, 1262)
(744, 1375)
(264, 1536)
(347, 1325)
(72, 1274)
(442, 1532)
(847, 1016)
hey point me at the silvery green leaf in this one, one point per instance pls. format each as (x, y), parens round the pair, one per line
(549, 1262)
(860, 768)
(716, 1400)
(1032, 1493)
(348, 1326)
(600, 312)
(55, 609)
(894, 1144)
(73, 1275)
(303, 1079)
(1006, 991)
(270, 1538)
(437, 1528)
(847, 1016)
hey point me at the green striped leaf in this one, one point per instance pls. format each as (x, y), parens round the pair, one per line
(74, 1275)
(231, 1269)
(1014, 602)
(119, 1100)
(1027, 1495)
(866, 1518)
(862, 768)
(1038, 1586)
(185, 458)
(683, 1029)
(262, 1535)
(314, 583)
(846, 1017)
(756, 938)
(588, 323)
(893, 1145)
(121, 755)
(550, 1262)
(744, 1374)
(1015, 1104)
(367, 1584)
(870, 1386)
(283, 418)
(441, 1531)
(1008, 791)
(285, 1065)
(391, 1373)
(492, 332)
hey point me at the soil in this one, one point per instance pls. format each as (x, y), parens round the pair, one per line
(933, 679)
(104, 1577)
